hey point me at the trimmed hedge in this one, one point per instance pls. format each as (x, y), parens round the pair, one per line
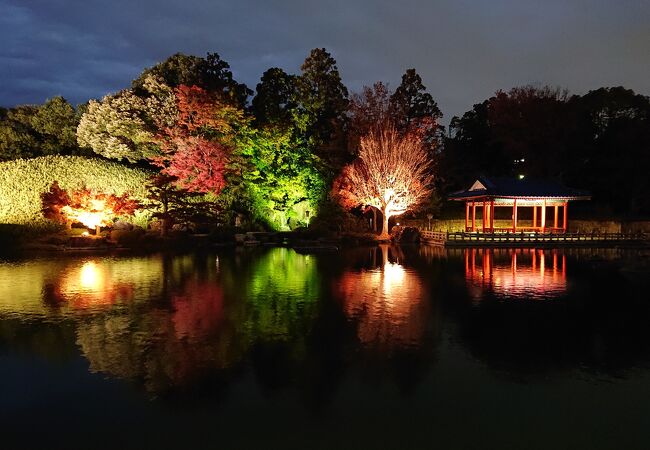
(23, 180)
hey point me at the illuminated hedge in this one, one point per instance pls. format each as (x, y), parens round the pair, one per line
(23, 180)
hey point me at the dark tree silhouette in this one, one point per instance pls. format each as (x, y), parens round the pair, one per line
(275, 98)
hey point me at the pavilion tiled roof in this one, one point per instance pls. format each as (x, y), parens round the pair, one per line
(519, 188)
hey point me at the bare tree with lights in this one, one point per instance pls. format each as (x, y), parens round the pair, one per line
(392, 174)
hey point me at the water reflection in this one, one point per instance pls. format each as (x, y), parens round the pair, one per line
(88, 286)
(280, 295)
(215, 312)
(65, 286)
(386, 300)
(197, 310)
(520, 274)
(169, 322)
(171, 341)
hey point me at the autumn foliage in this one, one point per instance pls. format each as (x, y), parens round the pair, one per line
(391, 174)
(192, 149)
(93, 209)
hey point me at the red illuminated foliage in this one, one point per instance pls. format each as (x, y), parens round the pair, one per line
(392, 174)
(193, 150)
(52, 202)
(198, 164)
(86, 206)
(197, 109)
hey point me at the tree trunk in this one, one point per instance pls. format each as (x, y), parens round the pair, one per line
(384, 230)
(165, 219)
(374, 219)
(164, 226)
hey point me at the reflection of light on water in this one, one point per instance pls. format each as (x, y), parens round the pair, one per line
(394, 276)
(90, 285)
(387, 304)
(90, 277)
(516, 273)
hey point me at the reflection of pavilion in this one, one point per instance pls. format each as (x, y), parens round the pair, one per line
(524, 273)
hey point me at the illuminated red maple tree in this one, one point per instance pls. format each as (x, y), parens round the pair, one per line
(192, 151)
(392, 174)
(93, 209)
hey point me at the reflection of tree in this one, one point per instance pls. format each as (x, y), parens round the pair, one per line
(164, 347)
(168, 340)
(199, 329)
(277, 313)
(281, 294)
(387, 303)
(40, 287)
(198, 310)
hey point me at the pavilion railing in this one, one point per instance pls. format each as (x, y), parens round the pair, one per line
(523, 237)
(519, 230)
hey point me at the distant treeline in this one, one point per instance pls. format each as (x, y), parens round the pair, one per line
(599, 141)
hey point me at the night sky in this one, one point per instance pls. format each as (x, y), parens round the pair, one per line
(464, 50)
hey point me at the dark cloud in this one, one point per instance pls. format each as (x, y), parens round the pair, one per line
(464, 49)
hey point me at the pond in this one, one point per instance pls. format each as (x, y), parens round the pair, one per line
(371, 347)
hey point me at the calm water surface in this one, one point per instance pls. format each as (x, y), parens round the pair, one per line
(378, 348)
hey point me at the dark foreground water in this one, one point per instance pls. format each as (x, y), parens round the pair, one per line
(371, 348)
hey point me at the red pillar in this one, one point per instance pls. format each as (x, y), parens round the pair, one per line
(544, 217)
(483, 216)
(492, 216)
(534, 216)
(473, 216)
(565, 217)
(514, 216)
(466, 215)
(556, 215)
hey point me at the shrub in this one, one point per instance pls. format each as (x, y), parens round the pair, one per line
(22, 181)
(127, 238)
(12, 235)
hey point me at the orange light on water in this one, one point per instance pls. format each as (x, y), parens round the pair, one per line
(91, 278)
(523, 273)
(386, 303)
(90, 286)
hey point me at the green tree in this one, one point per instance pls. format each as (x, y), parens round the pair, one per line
(273, 178)
(470, 151)
(322, 101)
(610, 150)
(210, 73)
(29, 131)
(412, 103)
(275, 99)
(598, 142)
(125, 125)
(17, 137)
(56, 123)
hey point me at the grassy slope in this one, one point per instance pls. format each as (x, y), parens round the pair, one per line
(23, 180)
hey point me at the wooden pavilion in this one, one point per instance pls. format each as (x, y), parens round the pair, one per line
(490, 193)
